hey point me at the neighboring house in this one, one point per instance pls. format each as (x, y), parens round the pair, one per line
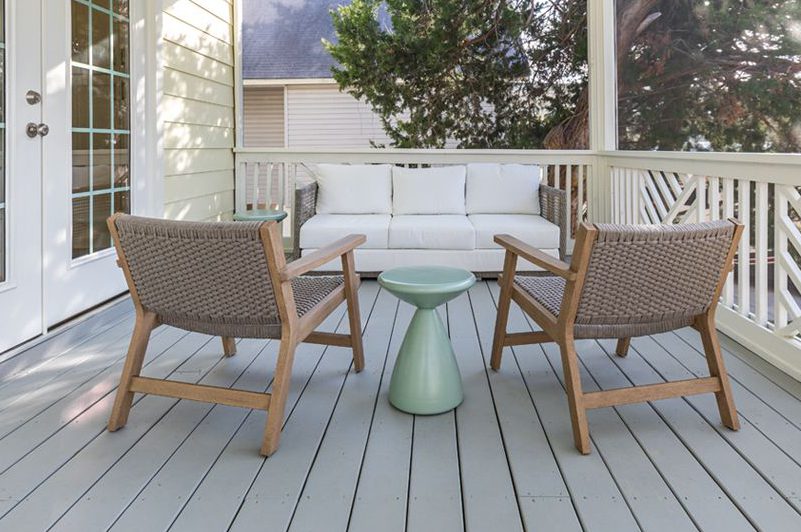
(290, 97)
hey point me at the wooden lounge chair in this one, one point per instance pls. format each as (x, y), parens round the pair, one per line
(229, 279)
(624, 281)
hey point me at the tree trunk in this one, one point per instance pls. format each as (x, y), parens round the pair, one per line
(574, 133)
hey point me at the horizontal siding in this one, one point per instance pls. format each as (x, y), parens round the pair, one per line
(177, 83)
(212, 207)
(192, 14)
(184, 187)
(197, 109)
(322, 116)
(219, 8)
(189, 61)
(179, 32)
(264, 116)
(182, 162)
(191, 136)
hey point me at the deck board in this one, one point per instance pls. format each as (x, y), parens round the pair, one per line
(504, 460)
(380, 501)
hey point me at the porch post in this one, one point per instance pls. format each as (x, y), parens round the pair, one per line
(603, 104)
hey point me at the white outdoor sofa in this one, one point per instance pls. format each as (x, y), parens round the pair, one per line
(429, 216)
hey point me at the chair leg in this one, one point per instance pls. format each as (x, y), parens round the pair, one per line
(499, 336)
(229, 345)
(502, 317)
(575, 396)
(714, 359)
(281, 383)
(145, 323)
(622, 348)
(354, 316)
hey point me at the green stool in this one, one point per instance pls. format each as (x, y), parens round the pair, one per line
(260, 215)
(426, 378)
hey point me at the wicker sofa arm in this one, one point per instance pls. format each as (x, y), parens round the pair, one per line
(305, 204)
(554, 208)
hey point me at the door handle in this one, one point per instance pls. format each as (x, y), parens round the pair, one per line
(33, 129)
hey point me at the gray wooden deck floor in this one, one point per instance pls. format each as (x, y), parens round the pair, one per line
(504, 460)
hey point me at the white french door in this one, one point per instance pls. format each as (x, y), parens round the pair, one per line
(86, 155)
(68, 145)
(20, 173)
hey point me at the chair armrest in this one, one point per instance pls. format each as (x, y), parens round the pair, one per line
(305, 206)
(535, 256)
(317, 258)
(554, 208)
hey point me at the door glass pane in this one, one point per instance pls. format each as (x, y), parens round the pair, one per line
(101, 39)
(80, 97)
(80, 33)
(2, 142)
(100, 120)
(101, 161)
(80, 162)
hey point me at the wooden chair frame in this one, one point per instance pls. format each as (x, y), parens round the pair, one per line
(294, 330)
(560, 329)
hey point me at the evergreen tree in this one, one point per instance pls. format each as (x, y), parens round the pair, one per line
(712, 74)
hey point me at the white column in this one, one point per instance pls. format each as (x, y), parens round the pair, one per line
(602, 103)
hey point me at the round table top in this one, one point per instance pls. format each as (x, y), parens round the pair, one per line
(426, 280)
(260, 215)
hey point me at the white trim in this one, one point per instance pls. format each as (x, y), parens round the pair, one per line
(152, 178)
(777, 168)
(287, 81)
(286, 116)
(780, 352)
(239, 107)
(602, 103)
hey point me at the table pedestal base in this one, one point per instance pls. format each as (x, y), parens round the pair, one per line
(426, 378)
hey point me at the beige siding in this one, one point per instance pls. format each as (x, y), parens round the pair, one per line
(322, 116)
(198, 109)
(264, 117)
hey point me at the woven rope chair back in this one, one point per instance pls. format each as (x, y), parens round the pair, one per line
(649, 278)
(205, 277)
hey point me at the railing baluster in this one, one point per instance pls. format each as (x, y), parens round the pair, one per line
(617, 196)
(656, 200)
(779, 249)
(241, 187)
(580, 198)
(744, 252)
(666, 195)
(256, 185)
(761, 259)
(569, 194)
(700, 198)
(728, 212)
(714, 198)
(650, 214)
(279, 197)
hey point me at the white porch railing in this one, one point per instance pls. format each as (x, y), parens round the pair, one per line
(760, 306)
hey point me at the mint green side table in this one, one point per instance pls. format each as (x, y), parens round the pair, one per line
(260, 215)
(426, 377)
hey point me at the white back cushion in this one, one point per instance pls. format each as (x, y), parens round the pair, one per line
(503, 189)
(428, 190)
(354, 189)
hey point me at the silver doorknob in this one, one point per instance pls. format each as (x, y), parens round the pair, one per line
(33, 129)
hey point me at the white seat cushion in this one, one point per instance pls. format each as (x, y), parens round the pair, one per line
(503, 189)
(428, 190)
(533, 230)
(354, 189)
(431, 231)
(322, 229)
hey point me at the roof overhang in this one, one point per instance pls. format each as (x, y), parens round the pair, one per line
(287, 81)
